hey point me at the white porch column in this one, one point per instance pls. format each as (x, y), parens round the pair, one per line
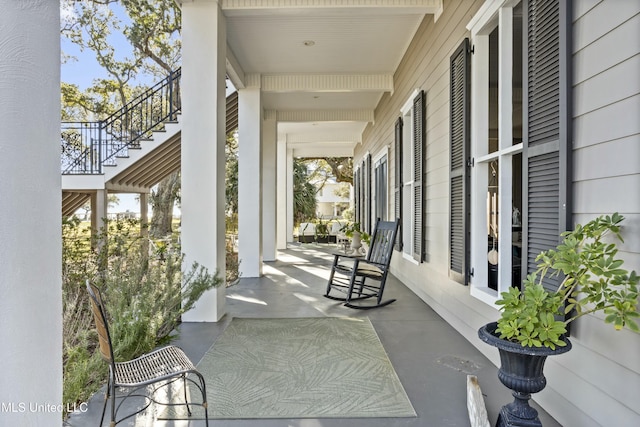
(31, 206)
(282, 207)
(289, 195)
(249, 182)
(269, 188)
(204, 47)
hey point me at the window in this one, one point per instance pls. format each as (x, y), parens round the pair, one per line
(518, 141)
(496, 144)
(413, 177)
(380, 183)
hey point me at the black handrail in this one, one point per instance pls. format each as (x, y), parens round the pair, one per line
(88, 146)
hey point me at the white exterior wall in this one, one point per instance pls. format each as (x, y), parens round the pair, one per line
(30, 206)
(602, 372)
(598, 382)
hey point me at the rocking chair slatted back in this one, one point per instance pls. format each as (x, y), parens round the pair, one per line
(360, 279)
(382, 243)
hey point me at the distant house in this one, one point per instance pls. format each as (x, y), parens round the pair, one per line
(329, 204)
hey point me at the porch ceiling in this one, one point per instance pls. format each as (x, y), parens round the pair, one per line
(322, 65)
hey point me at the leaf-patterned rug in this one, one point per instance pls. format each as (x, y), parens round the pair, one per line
(298, 368)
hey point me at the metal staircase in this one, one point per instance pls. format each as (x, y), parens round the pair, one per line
(131, 150)
(94, 154)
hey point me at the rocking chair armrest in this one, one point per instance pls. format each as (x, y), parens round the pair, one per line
(352, 256)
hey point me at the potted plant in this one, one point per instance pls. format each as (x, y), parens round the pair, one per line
(352, 231)
(306, 233)
(533, 324)
(322, 231)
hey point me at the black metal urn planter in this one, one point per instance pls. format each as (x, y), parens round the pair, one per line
(521, 370)
(533, 322)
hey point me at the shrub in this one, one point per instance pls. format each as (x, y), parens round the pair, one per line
(146, 291)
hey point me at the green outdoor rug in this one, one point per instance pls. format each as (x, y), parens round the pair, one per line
(298, 368)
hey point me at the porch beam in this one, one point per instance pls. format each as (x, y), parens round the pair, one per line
(327, 83)
(234, 70)
(123, 188)
(335, 137)
(322, 150)
(363, 115)
(387, 6)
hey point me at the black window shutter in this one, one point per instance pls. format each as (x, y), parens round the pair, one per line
(356, 194)
(419, 152)
(367, 193)
(547, 206)
(459, 180)
(398, 182)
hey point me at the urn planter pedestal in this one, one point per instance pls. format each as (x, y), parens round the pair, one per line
(521, 370)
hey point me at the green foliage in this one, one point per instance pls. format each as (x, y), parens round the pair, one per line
(593, 281)
(304, 194)
(321, 227)
(354, 227)
(145, 292)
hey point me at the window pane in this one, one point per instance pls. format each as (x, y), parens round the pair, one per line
(493, 92)
(493, 224)
(517, 75)
(516, 221)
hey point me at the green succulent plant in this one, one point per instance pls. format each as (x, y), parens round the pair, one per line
(593, 281)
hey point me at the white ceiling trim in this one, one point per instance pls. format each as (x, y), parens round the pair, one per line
(396, 6)
(234, 70)
(323, 137)
(329, 149)
(325, 116)
(327, 83)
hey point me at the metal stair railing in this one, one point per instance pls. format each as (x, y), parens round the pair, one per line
(89, 146)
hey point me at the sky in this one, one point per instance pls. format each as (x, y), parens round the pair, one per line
(83, 69)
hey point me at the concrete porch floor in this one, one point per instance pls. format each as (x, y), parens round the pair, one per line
(431, 359)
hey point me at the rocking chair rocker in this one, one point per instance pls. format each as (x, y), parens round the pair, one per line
(362, 278)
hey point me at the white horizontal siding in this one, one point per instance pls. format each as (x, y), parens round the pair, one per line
(601, 19)
(616, 121)
(609, 49)
(602, 372)
(598, 91)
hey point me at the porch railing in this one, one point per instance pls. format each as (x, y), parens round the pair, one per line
(89, 146)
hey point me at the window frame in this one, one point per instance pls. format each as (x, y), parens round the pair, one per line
(490, 16)
(408, 220)
(381, 160)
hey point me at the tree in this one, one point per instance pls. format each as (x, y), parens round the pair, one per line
(341, 167)
(304, 193)
(231, 174)
(153, 30)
